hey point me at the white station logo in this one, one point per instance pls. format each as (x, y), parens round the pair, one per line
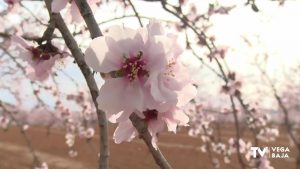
(271, 152)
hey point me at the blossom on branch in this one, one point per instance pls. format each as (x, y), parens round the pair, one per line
(156, 123)
(11, 3)
(41, 58)
(142, 74)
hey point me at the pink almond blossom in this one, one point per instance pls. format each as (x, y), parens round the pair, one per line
(156, 122)
(143, 68)
(243, 146)
(41, 58)
(11, 3)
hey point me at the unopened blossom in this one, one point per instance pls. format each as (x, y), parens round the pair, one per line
(227, 160)
(216, 162)
(44, 165)
(141, 69)
(73, 12)
(41, 58)
(25, 127)
(86, 133)
(156, 122)
(203, 148)
(70, 139)
(73, 153)
(4, 122)
(233, 86)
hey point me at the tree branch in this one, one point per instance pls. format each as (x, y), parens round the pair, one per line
(142, 129)
(136, 13)
(89, 18)
(138, 123)
(79, 58)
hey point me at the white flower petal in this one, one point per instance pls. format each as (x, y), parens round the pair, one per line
(58, 5)
(124, 132)
(121, 33)
(111, 97)
(134, 96)
(154, 87)
(171, 124)
(181, 118)
(155, 28)
(96, 56)
(186, 94)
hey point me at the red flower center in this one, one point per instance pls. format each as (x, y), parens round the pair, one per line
(10, 2)
(38, 55)
(134, 67)
(150, 115)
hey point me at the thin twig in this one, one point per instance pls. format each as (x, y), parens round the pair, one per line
(36, 160)
(142, 129)
(138, 123)
(79, 58)
(136, 13)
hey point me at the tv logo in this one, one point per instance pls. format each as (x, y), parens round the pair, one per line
(271, 152)
(260, 151)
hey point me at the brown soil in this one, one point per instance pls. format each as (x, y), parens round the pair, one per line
(182, 151)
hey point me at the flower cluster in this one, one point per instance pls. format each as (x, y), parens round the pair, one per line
(257, 118)
(233, 86)
(200, 123)
(244, 147)
(268, 134)
(41, 58)
(142, 74)
(11, 4)
(79, 123)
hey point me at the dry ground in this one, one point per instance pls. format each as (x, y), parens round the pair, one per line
(182, 151)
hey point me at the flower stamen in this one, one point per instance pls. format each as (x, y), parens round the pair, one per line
(170, 68)
(133, 67)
